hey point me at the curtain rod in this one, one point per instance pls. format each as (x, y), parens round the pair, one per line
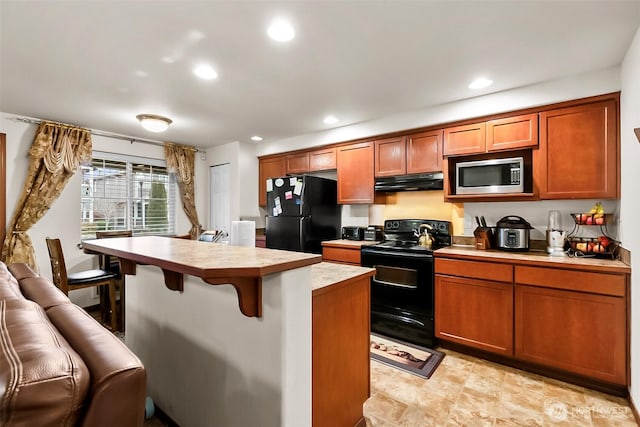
(131, 139)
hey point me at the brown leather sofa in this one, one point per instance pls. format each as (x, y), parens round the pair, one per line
(58, 366)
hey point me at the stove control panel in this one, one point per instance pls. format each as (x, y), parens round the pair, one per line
(410, 225)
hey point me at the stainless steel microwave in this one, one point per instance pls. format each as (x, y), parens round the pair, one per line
(495, 176)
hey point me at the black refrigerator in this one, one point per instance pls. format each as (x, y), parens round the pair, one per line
(302, 211)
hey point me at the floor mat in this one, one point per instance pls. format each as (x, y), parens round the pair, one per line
(417, 360)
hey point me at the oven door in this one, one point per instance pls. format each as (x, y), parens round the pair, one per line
(401, 294)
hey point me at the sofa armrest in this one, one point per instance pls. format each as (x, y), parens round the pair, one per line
(118, 378)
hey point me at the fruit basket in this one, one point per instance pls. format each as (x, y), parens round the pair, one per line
(600, 247)
(591, 218)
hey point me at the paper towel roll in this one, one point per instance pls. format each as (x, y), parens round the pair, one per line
(243, 233)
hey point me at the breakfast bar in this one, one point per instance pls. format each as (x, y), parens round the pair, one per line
(226, 333)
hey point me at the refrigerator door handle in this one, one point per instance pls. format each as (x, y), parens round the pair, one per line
(302, 233)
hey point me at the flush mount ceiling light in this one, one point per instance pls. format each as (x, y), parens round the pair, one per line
(331, 120)
(281, 31)
(256, 138)
(480, 83)
(153, 122)
(205, 72)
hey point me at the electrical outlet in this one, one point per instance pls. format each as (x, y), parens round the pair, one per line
(95, 292)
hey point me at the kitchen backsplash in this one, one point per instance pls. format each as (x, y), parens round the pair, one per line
(536, 213)
(430, 205)
(406, 204)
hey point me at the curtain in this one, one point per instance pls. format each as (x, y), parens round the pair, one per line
(181, 162)
(55, 154)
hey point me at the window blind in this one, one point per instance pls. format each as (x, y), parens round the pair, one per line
(127, 193)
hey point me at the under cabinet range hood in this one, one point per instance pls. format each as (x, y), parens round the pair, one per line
(417, 182)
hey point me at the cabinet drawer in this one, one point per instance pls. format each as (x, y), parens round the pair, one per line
(475, 269)
(351, 256)
(583, 281)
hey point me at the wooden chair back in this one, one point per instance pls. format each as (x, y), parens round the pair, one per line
(58, 266)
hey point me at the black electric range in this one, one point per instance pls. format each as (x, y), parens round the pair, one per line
(402, 290)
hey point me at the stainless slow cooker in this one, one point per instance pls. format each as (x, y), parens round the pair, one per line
(512, 233)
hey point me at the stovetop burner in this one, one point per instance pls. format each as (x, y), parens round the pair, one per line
(400, 234)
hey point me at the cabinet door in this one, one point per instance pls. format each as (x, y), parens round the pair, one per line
(475, 313)
(271, 167)
(355, 173)
(578, 332)
(467, 139)
(390, 157)
(512, 132)
(298, 163)
(320, 160)
(579, 153)
(424, 152)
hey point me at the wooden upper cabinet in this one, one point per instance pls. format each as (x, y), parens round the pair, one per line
(320, 160)
(298, 163)
(579, 155)
(424, 152)
(512, 132)
(355, 173)
(390, 156)
(466, 139)
(271, 167)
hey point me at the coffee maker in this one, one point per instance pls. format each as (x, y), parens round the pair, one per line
(555, 235)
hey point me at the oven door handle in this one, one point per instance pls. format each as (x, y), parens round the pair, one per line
(396, 285)
(403, 255)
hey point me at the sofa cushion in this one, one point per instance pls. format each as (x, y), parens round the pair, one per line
(9, 287)
(43, 381)
(41, 291)
(20, 270)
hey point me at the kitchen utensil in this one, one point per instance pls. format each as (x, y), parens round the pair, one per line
(512, 233)
(483, 234)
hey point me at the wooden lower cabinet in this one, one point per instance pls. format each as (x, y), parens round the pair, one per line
(342, 255)
(340, 353)
(476, 313)
(562, 319)
(575, 331)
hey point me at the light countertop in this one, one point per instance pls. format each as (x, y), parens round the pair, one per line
(344, 243)
(539, 258)
(328, 273)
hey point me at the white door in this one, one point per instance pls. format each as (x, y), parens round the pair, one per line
(220, 184)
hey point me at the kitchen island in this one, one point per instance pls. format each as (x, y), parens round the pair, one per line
(211, 363)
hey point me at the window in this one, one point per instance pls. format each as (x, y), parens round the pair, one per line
(127, 193)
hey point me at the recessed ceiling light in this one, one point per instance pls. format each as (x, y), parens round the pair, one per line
(480, 83)
(330, 120)
(281, 31)
(205, 72)
(256, 138)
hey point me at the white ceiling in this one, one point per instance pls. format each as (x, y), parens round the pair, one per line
(80, 61)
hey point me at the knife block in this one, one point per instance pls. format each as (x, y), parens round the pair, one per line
(484, 237)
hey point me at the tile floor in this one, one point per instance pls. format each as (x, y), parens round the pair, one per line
(466, 391)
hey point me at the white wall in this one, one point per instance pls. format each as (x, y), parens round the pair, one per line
(630, 202)
(63, 218)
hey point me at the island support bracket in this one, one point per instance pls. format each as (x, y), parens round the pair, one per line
(249, 291)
